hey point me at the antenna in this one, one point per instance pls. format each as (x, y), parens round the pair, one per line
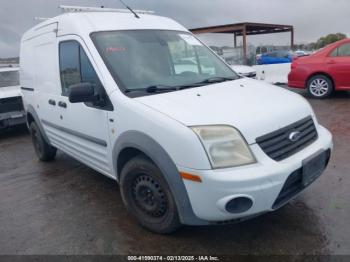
(127, 7)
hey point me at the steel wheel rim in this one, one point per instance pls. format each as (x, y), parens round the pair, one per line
(319, 87)
(149, 196)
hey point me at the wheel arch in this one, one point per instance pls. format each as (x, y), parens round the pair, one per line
(125, 155)
(132, 143)
(30, 119)
(32, 116)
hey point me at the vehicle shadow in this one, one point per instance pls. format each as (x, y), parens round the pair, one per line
(336, 95)
(341, 94)
(13, 132)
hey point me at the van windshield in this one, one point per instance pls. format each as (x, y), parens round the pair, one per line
(151, 60)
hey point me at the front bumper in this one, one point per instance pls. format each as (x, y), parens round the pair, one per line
(11, 111)
(12, 119)
(261, 182)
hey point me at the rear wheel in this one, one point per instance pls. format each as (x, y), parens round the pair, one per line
(320, 86)
(147, 196)
(43, 150)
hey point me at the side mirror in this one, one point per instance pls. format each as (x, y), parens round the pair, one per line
(83, 92)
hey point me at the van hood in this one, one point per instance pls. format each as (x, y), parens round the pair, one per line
(254, 107)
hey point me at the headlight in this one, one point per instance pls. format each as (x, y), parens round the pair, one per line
(224, 145)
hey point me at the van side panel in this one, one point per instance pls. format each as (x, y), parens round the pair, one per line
(38, 67)
(26, 66)
(27, 73)
(31, 60)
(45, 66)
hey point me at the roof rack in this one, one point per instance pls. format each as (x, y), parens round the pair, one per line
(69, 8)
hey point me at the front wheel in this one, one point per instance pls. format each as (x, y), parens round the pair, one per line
(147, 196)
(320, 86)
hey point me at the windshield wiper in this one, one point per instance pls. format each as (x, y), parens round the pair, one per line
(165, 88)
(211, 80)
(153, 89)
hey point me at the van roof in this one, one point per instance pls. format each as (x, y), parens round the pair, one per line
(84, 23)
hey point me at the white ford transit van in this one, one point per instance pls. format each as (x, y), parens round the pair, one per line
(193, 145)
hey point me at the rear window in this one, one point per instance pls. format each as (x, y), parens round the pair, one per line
(274, 54)
(9, 78)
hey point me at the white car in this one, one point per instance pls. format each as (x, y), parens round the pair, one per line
(11, 106)
(189, 147)
(245, 71)
(300, 53)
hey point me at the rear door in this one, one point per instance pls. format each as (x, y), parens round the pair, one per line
(81, 129)
(338, 64)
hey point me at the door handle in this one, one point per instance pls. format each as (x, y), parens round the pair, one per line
(62, 104)
(52, 102)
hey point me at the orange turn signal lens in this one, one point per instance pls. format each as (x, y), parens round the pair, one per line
(191, 177)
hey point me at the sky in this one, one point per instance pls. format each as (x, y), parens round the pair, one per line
(311, 18)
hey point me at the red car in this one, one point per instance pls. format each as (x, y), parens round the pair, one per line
(324, 71)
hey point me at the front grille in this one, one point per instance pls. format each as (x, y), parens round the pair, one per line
(11, 104)
(293, 185)
(279, 146)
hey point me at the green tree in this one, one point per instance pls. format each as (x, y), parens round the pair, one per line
(329, 39)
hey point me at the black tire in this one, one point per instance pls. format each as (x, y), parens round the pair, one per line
(43, 150)
(147, 196)
(320, 86)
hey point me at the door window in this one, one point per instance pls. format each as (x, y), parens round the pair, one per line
(272, 54)
(341, 51)
(75, 67)
(344, 50)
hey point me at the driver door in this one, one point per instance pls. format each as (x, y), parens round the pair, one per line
(338, 64)
(82, 128)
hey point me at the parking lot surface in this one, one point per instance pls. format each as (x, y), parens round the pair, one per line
(64, 207)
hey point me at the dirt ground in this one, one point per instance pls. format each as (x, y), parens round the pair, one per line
(64, 207)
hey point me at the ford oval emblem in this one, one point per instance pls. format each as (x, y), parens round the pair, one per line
(294, 136)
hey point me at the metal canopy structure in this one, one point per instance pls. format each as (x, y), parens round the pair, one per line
(245, 29)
